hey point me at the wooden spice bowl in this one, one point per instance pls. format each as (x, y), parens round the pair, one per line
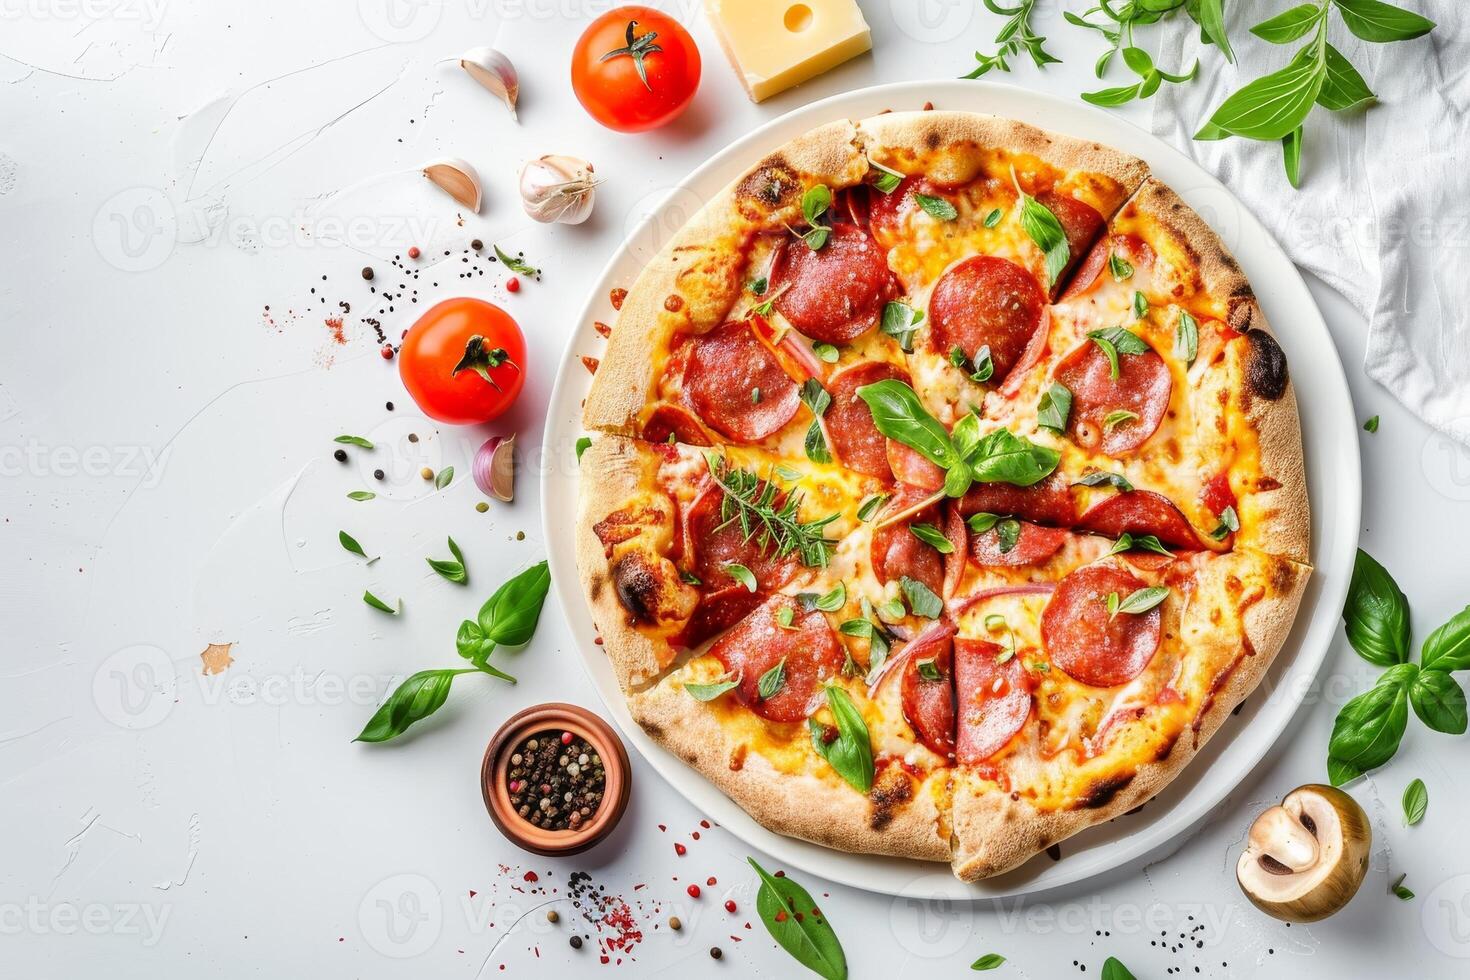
(560, 717)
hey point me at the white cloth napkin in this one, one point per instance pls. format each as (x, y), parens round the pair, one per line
(1383, 214)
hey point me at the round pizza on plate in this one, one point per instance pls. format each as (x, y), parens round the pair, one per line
(948, 492)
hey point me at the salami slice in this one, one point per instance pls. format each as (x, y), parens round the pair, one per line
(1142, 512)
(928, 702)
(726, 366)
(835, 293)
(849, 422)
(897, 551)
(810, 650)
(1047, 502)
(667, 421)
(717, 611)
(993, 700)
(1034, 545)
(911, 468)
(887, 212)
(1126, 246)
(716, 541)
(986, 302)
(1085, 642)
(1143, 387)
(1080, 222)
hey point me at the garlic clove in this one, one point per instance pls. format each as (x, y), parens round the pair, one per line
(457, 179)
(494, 71)
(494, 468)
(558, 188)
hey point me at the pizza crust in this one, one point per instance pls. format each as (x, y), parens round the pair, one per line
(902, 817)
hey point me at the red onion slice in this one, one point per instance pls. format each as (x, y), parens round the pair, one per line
(957, 607)
(936, 632)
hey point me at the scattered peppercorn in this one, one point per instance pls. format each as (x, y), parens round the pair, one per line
(674, 923)
(715, 952)
(340, 455)
(426, 473)
(367, 273)
(482, 507)
(693, 891)
(551, 916)
(576, 942)
(390, 406)
(413, 437)
(387, 352)
(413, 251)
(476, 244)
(556, 783)
(377, 474)
(512, 285)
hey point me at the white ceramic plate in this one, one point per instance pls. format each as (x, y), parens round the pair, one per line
(1332, 470)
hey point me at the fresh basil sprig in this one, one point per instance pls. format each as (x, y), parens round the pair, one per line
(814, 204)
(932, 536)
(921, 598)
(451, 569)
(1015, 36)
(1416, 802)
(901, 321)
(792, 917)
(817, 399)
(1046, 231)
(772, 681)
(850, 754)
(1150, 78)
(1055, 407)
(358, 441)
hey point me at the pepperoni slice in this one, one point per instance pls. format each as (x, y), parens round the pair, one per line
(1085, 642)
(671, 420)
(928, 702)
(725, 366)
(912, 468)
(759, 642)
(717, 611)
(886, 212)
(986, 301)
(849, 422)
(837, 292)
(1142, 512)
(1126, 246)
(994, 700)
(1034, 545)
(897, 551)
(1080, 222)
(1143, 388)
(1047, 502)
(718, 541)
(1217, 494)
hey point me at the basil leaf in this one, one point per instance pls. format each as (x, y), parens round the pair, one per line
(785, 616)
(1002, 457)
(1098, 478)
(982, 522)
(708, 692)
(443, 478)
(1439, 701)
(354, 441)
(469, 641)
(988, 962)
(1120, 267)
(1416, 802)
(1376, 616)
(815, 397)
(1112, 97)
(992, 219)
(1373, 20)
(1343, 88)
(815, 444)
(870, 506)
(898, 414)
(1448, 647)
(415, 699)
(1117, 417)
(815, 202)
(1289, 25)
(454, 550)
(1368, 729)
(350, 543)
(759, 285)
(921, 598)
(936, 207)
(1371, 425)
(1397, 889)
(851, 752)
(1055, 407)
(1272, 105)
(515, 263)
(1291, 156)
(1341, 773)
(791, 916)
(898, 322)
(741, 574)
(928, 670)
(451, 570)
(787, 473)
(887, 182)
(1229, 524)
(931, 535)
(891, 610)
(1141, 542)
(379, 604)
(361, 495)
(1046, 231)
(1140, 601)
(1211, 17)
(815, 239)
(1113, 970)
(1186, 338)
(772, 681)
(1140, 308)
(1008, 531)
(690, 578)
(584, 443)
(834, 600)
(983, 364)
(509, 617)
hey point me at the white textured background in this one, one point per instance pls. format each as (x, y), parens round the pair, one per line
(169, 169)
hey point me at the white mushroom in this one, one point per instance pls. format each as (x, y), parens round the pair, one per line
(1305, 859)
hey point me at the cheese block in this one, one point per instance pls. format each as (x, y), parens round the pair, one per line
(775, 44)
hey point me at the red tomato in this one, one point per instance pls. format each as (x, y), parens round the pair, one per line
(478, 339)
(635, 68)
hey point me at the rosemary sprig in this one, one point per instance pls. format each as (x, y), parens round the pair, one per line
(750, 501)
(1015, 36)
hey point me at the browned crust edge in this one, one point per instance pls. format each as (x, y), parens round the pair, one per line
(821, 810)
(994, 833)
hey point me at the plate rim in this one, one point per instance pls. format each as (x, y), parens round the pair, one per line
(1326, 590)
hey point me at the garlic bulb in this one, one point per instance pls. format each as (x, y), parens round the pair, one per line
(558, 188)
(494, 71)
(457, 179)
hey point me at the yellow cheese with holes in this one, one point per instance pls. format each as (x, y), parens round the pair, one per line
(775, 44)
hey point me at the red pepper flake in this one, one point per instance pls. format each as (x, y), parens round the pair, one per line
(680, 849)
(695, 835)
(693, 891)
(512, 285)
(531, 876)
(730, 905)
(590, 363)
(387, 352)
(781, 916)
(704, 824)
(780, 874)
(473, 893)
(617, 296)
(336, 329)
(602, 328)
(663, 828)
(603, 958)
(710, 881)
(598, 641)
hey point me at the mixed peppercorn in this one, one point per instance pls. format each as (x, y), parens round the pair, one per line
(556, 780)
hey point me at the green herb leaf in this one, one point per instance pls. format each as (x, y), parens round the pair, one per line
(827, 353)
(1114, 970)
(834, 600)
(814, 204)
(1416, 801)
(772, 681)
(1229, 524)
(870, 506)
(1368, 729)
(689, 577)
(1211, 17)
(936, 207)
(1007, 533)
(992, 219)
(361, 495)
(815, 444)
(1140, 310)
(350, 543)
(1371, 425)
(928, 670)
(1055, 407)
(1113, 97)
(1289, 25)
(1186, 338)
(892, 610)
(741, 574)
(354, 441)
(1373, 20)
(1099, 478)
(899, 322)
(584, 443)
(444, 477)
(1439, 701)
(887, 180)
(793, 919)
(851, 752)
(898, 414)
(1113, 341)
(415, 699)
(1343, 88)
(1140, 601)
(380, 605)
(931, 535)
(1046, 231)
(1117, 417)
(1376, 616)
(708, 692)
(515, 263)
(759, 285)
(921, 598)
(1291, 156)
(454, 571)
(1448, 647)
(1120, 267)
(785, 616)
(509, 617)
(1397, 889)
(1272, 105)
(984, 366)
(1003, 457)
(988, 962)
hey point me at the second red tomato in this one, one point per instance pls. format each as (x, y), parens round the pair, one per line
(635, 68)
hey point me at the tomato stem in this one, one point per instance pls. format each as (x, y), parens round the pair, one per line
(479, 359)
(637, 48)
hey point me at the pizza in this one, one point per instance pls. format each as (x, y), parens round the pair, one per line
(948, 489)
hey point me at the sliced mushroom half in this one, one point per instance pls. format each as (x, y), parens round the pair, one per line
(1305, 859)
